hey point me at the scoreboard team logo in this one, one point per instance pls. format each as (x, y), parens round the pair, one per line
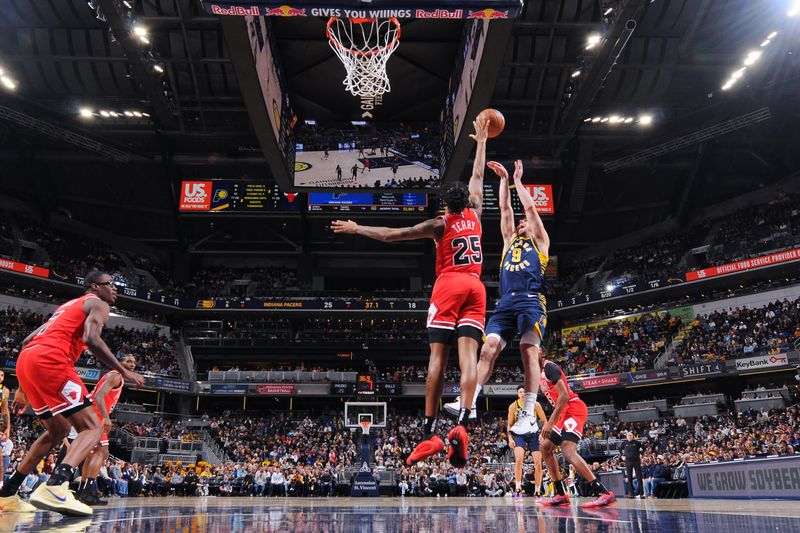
(195, 196)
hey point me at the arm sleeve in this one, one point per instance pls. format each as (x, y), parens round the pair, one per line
(552, 372)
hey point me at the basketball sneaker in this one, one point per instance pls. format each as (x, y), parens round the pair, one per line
(91, 498)
(15, 504)
(59, 498)
(453, 408)
(525, 423)
(556, 501)
(459, 442)
(603, 501)
(425, 449)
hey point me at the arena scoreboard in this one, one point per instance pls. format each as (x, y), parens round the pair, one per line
(359, 202)
(242, 196)
(542, 195)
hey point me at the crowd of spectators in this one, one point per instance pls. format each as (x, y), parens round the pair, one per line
(773, 328)
(155, 353)
(293, 454)
(617, 345)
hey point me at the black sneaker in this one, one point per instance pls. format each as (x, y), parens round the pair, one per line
(91, 499)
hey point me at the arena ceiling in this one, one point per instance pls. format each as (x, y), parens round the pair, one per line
(105, 172)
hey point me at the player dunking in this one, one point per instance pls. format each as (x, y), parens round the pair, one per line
(49, 381)
(565, 428)
(526, 442)
(105, 397)
(458, 301)
(522, 307)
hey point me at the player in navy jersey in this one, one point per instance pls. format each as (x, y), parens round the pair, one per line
(522, 307)
(458, 301)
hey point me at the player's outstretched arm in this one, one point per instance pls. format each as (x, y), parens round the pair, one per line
(97, 315)
(476, 180)
(506, 213)
(430, 229)
(532, 216)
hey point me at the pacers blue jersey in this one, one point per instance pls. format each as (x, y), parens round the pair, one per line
(522, 268)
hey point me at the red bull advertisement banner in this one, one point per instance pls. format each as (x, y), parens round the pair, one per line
(403, 9)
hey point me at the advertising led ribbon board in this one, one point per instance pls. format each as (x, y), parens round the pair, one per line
(440, 9)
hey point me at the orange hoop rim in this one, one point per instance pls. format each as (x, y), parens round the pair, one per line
(338, 45)
(365, 424)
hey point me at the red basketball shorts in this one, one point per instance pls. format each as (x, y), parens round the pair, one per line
(49, 380)
(570, 423)
(457, 300)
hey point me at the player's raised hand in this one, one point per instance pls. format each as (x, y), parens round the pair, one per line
(481, 126)
(498, 169)
(517, 169)
(344, 226)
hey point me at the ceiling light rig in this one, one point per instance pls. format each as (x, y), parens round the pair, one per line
(615, 120)
(128, 116)
(752, 57)
(6, 80)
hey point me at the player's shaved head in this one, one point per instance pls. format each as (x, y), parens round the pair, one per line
(95, 276)
(456, 197)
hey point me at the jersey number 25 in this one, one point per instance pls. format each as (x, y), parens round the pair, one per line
(468, 250)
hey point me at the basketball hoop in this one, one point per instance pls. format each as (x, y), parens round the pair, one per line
(365, 425)
(364, 46)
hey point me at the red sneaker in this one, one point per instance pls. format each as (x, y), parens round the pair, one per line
(459, 441)
(556, 501)
(603, 501)
(425, 449)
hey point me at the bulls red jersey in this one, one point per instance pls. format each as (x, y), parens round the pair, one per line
(459, 249)
(113, 395)
(552, 374)
(64, 330)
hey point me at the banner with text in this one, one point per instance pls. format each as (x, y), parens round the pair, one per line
(275, 388)
(645, 376)
(750, 479)
(761, 361)
(15, 266)
(504, 389)
(745, 264)
(598, 381)
(708, 369)
(89, 374)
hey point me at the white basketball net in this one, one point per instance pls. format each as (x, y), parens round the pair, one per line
(364, 47)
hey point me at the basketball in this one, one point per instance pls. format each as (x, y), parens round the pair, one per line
(496, 121)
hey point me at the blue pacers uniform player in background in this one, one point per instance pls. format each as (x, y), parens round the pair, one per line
(522, 307)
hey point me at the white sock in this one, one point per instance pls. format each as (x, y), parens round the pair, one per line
(530, 403)
(478, 388)
(519, 486)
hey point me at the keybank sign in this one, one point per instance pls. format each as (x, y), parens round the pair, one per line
(762, 361)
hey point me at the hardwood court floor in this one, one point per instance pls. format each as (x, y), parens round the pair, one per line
(418, 515)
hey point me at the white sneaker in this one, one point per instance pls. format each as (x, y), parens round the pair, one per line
(525, 423)
(453, 408)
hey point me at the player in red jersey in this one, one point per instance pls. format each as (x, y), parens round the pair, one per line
(565, 428)
(105, 397)
(458, 302)
(49, 382)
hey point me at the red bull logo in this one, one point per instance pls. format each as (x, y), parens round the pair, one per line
(488, 14)
(285, 11)
(235, 10)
